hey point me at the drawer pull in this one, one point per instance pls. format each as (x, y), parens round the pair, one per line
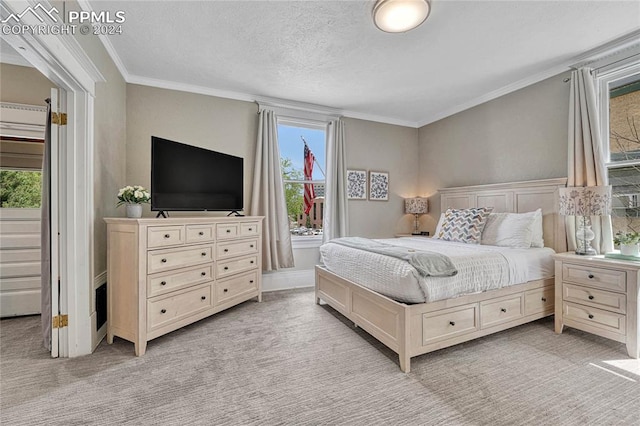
(503, 309)
(250, 281)
(250, 229)
(226, 268)
(201, 233)
(590, 316)
(544, 299)
(452, 323)
(225, 290)
(203, 273)
(167, 236)
(251, 262)
(203, 298)
(228, 231)
(203, 253)
(591, 276)
(163, 260)
(590, 297)
(163, 311)
(251, 246)
(226, 250)
(163, 283)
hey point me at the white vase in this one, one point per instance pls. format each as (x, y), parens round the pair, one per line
(630, 249)
(134, 210)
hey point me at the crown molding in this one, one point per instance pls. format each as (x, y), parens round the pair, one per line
(14, 58)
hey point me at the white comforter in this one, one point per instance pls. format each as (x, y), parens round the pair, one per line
(480, 268)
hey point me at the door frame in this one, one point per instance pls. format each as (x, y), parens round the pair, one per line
(63, 61)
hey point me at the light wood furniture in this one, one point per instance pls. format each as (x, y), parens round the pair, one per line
(166, 273)
(411, 330)
(599, 296)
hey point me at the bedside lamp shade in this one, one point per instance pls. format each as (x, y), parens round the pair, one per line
(416, 206)
(585, 202)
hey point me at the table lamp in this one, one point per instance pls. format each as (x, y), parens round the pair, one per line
(584, 202)
(416, 206)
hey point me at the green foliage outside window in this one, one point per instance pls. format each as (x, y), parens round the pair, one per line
(292, 191)
(20, 189)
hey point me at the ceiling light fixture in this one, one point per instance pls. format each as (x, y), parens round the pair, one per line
(398, 16)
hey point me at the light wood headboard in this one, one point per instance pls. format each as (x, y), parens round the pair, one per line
(515, 197)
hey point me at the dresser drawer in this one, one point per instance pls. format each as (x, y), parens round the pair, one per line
(170, 281)
(164, 260)
(494, 312)
(609, 300)
(594, 317)
(236, 248)
(164, 310)
(442, 325)
(249, 229)
(235, 266)
(238, 286)
(595, 277)
(225, 231)
(164, 236)
(539, 300)
(200, 233)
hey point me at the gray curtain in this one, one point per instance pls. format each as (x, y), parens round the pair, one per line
(268, 198)
(45, 234)
(586, 154)
(336, 217)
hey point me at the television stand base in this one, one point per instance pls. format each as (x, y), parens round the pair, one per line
(163, 214)
(235, 213)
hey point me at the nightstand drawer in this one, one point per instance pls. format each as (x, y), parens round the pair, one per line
(608, 279)
(594, 317)
(539, 300)
(597, 298)
(499, 311)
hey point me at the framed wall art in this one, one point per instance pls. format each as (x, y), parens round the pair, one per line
(378, 186)
(357, 184)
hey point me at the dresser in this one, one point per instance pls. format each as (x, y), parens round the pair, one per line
(163, 274)
(599, 296)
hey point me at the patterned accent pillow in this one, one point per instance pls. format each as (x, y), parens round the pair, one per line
(464, 225)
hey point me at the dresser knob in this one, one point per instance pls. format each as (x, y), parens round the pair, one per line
(164, 261)
(226, 250)
(590, 316)
(591, 276)
(250, 229)
(544, 299)
(201, 233)
(203, 298)
(163, 283)
(251, 246)
(163, 311)
(452, 323)
(503, 309)
(250, 281)
(203, 253)
(226, 268)
(225, 290)
(203, 273)
(228, 231)
(251, 261)
(167, 236)
(590, 297)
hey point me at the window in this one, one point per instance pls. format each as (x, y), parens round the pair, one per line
(620, 107)
(292, 138)
(20, 188)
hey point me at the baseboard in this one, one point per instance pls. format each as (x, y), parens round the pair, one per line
(99, 280)
(286, 280)
(97, 336)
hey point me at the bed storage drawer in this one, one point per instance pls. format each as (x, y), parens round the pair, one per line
(539, 300)
(498, 311)
(594, 317)
(448, 323)
(595, 277)
(164, 310)
(164, 236)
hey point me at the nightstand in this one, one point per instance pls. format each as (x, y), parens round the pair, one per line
(599, 296)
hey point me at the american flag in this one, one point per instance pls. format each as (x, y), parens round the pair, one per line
(309, 193)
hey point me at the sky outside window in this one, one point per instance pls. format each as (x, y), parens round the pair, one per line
(292, 147)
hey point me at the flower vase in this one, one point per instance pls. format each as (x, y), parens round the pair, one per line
(630, 249)
(134, 210)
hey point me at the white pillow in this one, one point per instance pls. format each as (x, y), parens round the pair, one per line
(509, 230)
(536, 237)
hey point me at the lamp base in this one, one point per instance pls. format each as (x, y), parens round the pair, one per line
(589, 252)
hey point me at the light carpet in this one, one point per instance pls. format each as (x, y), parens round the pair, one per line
(288, 361)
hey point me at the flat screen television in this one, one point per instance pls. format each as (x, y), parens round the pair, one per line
(188, 178)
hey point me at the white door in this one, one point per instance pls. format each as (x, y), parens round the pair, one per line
(58, 107)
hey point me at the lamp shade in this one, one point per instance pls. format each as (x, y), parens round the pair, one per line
(398, 16)
(417, 205)
(585, 201)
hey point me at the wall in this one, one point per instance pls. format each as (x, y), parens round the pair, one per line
(23, 85)
(517, 137)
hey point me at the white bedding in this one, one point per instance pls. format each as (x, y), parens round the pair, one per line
(480, 268)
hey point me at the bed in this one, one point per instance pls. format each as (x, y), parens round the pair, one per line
(417, 324)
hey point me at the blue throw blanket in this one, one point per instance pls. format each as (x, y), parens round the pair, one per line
(427, 263)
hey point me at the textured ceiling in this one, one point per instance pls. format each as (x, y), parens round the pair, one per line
(330, 53)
